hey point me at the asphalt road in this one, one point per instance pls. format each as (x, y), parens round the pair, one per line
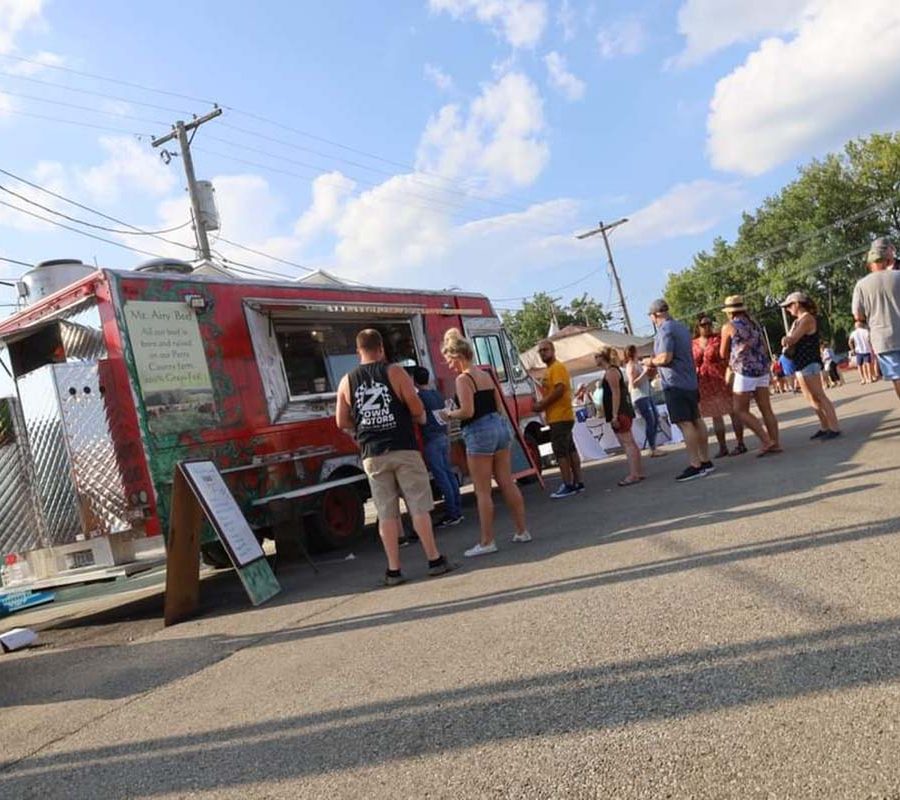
(737, 636)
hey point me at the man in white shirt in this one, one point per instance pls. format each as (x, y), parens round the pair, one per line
(862, 347)
(876, 302)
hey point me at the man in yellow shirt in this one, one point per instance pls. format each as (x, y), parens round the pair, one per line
(556, 403)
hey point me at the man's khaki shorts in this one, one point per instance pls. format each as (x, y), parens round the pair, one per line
(401, 472)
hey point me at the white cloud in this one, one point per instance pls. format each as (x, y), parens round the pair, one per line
(497, 145)
(839, 77)
(687, 209)
(712, 25)
(561, 79)
(627, 37)
(438, 77)
(329, 197)
(129, 166)
(15, 17)
(520, 22)
(565, 18)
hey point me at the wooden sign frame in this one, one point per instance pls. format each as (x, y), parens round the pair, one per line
(198, 491)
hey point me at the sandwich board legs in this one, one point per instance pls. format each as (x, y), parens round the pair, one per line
(183, 553)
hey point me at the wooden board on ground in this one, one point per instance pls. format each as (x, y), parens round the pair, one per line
(197, 491)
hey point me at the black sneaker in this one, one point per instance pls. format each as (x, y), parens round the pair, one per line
(689, 474)
(404, 541)
(449, 522)
(827, 436)
(819, 434)
(393, 580)
(579, 487)
(442, 567)
(706, 467)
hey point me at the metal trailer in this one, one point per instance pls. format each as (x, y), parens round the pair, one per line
(122, 374)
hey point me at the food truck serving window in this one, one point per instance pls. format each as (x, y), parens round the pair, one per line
(303, 355)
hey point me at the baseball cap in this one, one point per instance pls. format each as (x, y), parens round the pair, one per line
(878, 250)
(795, 297)
(659, 306)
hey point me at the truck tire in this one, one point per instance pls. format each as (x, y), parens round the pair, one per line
(339, 520)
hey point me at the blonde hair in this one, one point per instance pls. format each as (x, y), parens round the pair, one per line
(457, 346)
(610, 355)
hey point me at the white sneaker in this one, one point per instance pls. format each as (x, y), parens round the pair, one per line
(481, 550)
(524, 536)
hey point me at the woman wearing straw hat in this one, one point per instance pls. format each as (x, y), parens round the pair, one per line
(803, 339)
(744, 346)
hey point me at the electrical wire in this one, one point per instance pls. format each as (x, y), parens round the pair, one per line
(547, 291)
(265, 255)
(91, 224)
(79, 107)
(90, 93)
(63, 121)
(468, 195)
(94, 76)
(250, 115)
(134, 229)
(79, 231)
(14, 261)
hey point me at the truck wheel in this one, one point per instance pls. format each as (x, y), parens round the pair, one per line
(340, 518)
(214, 555)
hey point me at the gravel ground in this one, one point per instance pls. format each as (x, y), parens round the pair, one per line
(737, 636)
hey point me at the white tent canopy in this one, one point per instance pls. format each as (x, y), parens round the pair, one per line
(575, 348)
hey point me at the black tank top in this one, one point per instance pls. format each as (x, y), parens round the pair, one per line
(383, 422)
(806, 350)
(484, 400)
(625, 406)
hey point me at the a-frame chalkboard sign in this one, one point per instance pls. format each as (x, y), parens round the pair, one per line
(198, 491)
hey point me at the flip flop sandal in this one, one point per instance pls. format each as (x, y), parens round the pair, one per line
(627, 482)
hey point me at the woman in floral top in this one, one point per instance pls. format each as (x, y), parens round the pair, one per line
(715, 393)
(744, 346)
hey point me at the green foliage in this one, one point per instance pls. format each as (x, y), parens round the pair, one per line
(811, 236)
(530, 323)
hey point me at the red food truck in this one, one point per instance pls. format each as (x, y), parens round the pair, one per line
(119, 375)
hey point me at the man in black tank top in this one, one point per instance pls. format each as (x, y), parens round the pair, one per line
(379, 403)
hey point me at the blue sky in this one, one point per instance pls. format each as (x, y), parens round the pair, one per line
(435, 143)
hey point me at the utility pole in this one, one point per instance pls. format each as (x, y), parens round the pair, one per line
(603, 230)
(179, 131)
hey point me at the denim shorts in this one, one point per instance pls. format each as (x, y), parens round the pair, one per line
(486, 435)
(890, 364)
(810, 370)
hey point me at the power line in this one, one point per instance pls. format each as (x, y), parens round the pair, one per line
(79, 107)
(89, 92)
(91, 224)
(265, 255)
(134, 229)
(548, 291)
(78, 231)
(466, 194)
(94, 76)
(250, 115)
(62, 120)
(14, 261)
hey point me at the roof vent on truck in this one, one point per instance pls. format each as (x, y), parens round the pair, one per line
(165, 265)
(50, 276)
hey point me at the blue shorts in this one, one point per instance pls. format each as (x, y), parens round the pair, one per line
(890, 365)
(863, 358)
(810, 370)
(486, 435)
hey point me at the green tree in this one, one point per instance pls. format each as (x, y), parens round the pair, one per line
(530, 324)
(810, 236)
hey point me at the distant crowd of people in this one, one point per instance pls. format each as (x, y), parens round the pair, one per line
(705, 374)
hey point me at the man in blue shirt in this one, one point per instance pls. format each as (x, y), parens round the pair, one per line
(436, 447)
(673, 356)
